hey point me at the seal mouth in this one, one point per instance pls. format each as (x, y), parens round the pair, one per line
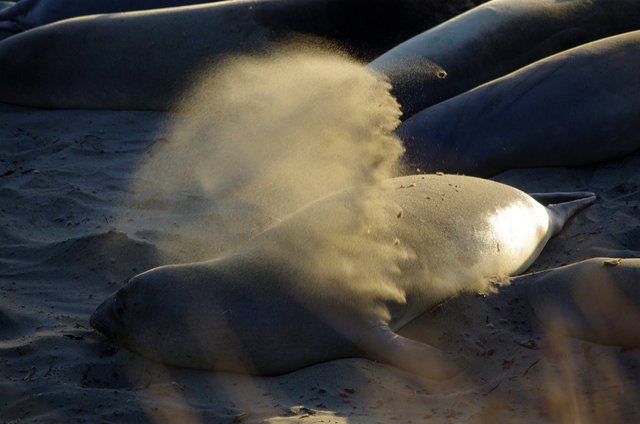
(103, 317)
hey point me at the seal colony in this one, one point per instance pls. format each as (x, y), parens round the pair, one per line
(119, 61)
(578, 108)
(204, 315)
(425, 70)
(492, 40)
(451, 234)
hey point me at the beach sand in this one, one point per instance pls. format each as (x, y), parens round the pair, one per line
(69, 238)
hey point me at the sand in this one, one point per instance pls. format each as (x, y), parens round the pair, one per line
(68, 240)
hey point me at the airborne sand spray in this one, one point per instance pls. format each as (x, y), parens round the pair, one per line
(284, 129)
(260, 137)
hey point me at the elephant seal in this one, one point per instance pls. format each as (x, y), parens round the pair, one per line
(493, 39)
(145, 59)
(596, 300)
(574, 108)
(287, 299)
(27, 14)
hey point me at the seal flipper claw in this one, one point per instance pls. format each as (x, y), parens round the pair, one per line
(384, 345)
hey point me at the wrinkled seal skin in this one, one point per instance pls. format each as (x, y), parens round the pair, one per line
(574, 108)
(145, 59)
(261, 310)
(27, 14)
(494, 39)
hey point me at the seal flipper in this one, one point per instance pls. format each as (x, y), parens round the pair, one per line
(560, 197)
(563, 205)
(384, 345)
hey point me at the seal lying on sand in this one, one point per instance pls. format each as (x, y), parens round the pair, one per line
(288, 300)
(145, 59)
(577, 107)
(597, 300)
(492, 40)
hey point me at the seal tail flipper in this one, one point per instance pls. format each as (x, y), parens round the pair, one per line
(563, 205)
(383, 345)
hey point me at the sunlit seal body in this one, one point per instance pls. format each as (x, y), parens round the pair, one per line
(145, 59)
(574, 108)
(274, 306)
(494, 39)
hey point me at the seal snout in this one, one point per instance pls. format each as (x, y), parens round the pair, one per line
(107, 315)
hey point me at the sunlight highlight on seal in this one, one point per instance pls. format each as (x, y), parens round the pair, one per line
(514, 223)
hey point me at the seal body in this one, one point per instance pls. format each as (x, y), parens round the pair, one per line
(145, 59)
(120, 61)
(298, 294)
(577, 107)
(27, 14)
(597, 300)
(493, 39)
